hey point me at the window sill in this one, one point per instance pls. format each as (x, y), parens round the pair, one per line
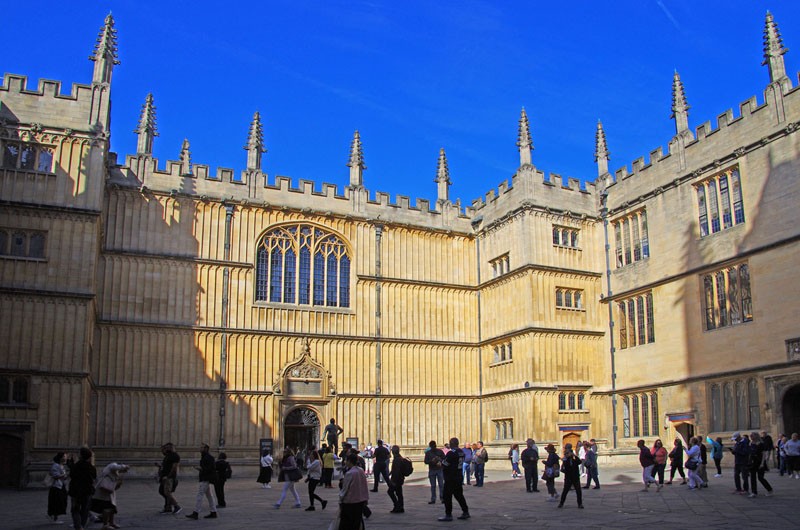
(567, 247)
(573, 411)
(500, 363)
(632, 263)
(729, 326)
(564, 308)
(303, 307)
(22, 258)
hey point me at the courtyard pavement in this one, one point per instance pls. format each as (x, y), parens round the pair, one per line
(501, 504)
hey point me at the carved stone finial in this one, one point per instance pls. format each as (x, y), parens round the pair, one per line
(356, 161)
(443, 177)
(186, 158)
(774, 51)
(680, 107)
(255, 143)
(601, 154)
(524, 141)
(105, 52)
(147, 127)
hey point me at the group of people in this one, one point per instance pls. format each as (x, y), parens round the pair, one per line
(79, 481)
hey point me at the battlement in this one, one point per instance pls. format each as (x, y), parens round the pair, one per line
(531, 187)
(253, 187)
(732, 133)
(47, 104)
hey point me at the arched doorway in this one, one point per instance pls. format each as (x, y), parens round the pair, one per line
(301, 428)
(11, 459)
(791, 410)
(570, 438)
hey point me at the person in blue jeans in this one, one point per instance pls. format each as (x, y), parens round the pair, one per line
(479, 458)
(434, 458)
(466, 467)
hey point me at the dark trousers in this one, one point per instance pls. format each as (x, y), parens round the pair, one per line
(591, 474)
(741, 475)
(351, 516)
(758, 475)
(219, 489)
(679, 469)
(718, 463)
(312, 485)
(531, 479)
(551, 485)
(479, 469)
(574, 483)
(80, 510)
(379, 470)
(454, 489)
(396, 494)
(659, 469)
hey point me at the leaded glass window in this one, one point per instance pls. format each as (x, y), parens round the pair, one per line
(303, 264)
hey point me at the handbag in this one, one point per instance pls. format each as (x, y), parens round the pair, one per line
(691, 464)
(294, 475)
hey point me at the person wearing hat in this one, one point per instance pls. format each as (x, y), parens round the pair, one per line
(530, 460)
(741, 460)
(551, 466)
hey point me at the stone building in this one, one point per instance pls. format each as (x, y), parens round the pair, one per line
(144, 303)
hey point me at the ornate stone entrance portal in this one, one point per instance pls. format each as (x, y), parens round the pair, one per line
(301, 428)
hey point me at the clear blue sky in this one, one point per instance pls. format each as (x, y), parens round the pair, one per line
(411, 76)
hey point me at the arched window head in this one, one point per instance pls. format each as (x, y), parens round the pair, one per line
(303, 264)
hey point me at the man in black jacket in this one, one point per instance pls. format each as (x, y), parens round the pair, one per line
(530, 461)
(452, 482)
(381, 467)
(82, 476)
(207, 477)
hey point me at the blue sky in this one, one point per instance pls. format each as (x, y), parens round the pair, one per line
(410, 76)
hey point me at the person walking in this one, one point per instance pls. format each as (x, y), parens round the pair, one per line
(57, 492)
(104, 500)
(571, 467)
(397, 477)
(590, 464)
(530, 461)
(82, 477)
(265, 471)
(289, 475)
(381, 466)
(206, 477)
(366, 454)
(551, 471)
(693, 464)
(480, 457)
(353, 496)
(701, 469)
(224, 472)
(453, 461)
(676, 461)
(328, 464)
(716, 454)
(660, 456)
(466, 468)
(434, 458)
(314, 467)
(168, 479)
(769, 449)
(741, 461)
(514, 457)
(647, 462)
(758, 465)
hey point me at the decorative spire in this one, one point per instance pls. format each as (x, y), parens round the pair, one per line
(255, 143)
(601, 154)
(443, 178)
(680, 108)
(356, 162)
(774, 51)
(105, 52)
(147, 127)
(186, 158)
(524, 139)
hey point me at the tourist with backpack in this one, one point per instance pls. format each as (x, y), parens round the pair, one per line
(401, 468)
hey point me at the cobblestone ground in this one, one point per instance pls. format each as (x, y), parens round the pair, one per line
(501, 504)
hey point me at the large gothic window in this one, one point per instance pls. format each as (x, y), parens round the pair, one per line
(303, 264)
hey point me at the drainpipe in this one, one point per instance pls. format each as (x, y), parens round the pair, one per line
(378, 236)
(604, 216)
(480, 327)
(223, 356)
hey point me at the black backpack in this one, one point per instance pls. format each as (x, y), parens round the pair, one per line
(408, 467)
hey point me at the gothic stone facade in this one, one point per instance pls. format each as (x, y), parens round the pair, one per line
(144, 304)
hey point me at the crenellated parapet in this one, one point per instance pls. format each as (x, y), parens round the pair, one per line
(732, 136)
(22, 105)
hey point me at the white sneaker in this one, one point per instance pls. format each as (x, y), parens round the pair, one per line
(717, 475)
(268, 487)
